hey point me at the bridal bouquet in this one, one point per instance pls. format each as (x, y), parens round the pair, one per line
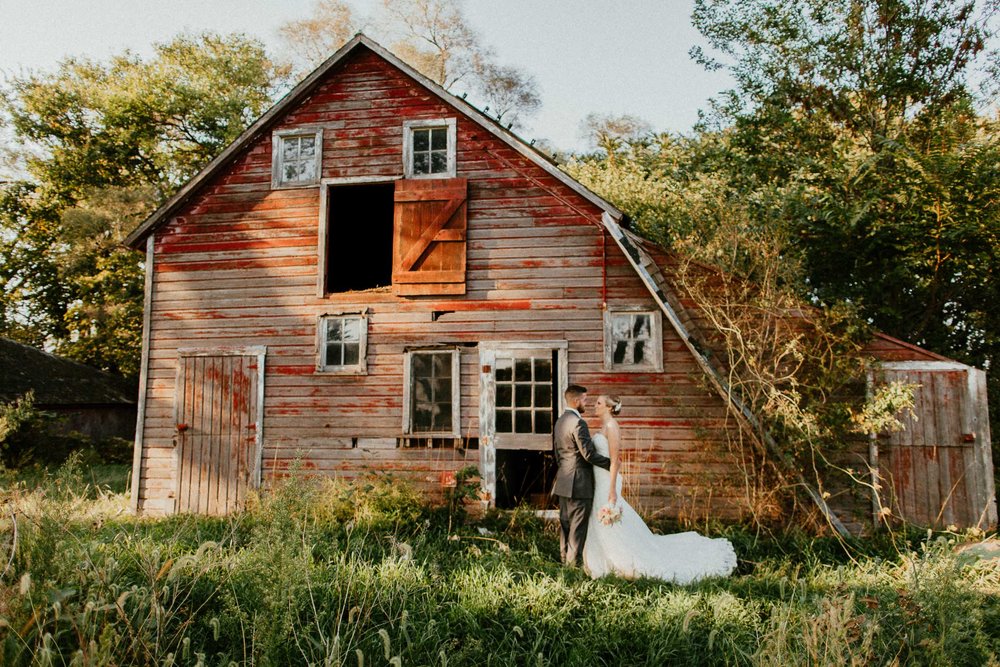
(609, 515)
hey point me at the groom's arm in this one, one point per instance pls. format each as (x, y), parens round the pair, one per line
(584, 445)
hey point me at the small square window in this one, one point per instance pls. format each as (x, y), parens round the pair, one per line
(295, 158)
(342, 342)
(429, 148)
(431, 393)
(633, 340)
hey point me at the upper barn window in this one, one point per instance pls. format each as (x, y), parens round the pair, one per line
(429, 148)
(295, 157)
(633, 340)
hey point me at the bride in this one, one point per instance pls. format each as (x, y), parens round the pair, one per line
(628, 548)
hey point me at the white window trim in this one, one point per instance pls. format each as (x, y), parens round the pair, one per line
(409, 126)
(276, 138)
(456, 385)
(360, 368)
(656, 334)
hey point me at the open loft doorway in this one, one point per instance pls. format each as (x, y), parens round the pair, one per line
(358, 230)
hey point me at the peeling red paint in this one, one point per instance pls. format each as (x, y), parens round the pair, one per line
(655, 423)
(292, 370)
(248, 244)
(234, 265)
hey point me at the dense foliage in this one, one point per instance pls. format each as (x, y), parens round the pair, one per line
(103, 144)
(359, 574)
(852, 169)
(860, 118)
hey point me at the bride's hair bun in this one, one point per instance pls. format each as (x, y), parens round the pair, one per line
(615, 404)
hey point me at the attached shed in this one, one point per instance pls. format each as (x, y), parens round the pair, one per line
(378, 277)
(938, 470)
(87, 401)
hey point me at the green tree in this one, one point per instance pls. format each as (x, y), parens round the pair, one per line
(849, 168)
(103, 144)
(854, 127)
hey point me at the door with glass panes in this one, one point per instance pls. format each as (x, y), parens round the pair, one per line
(520, 410)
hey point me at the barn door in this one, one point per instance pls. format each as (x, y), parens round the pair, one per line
(428, 245)
(939, 468)
(218, 410)
(520, 389)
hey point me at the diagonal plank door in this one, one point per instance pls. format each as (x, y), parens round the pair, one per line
(218, 430)
(429, 234)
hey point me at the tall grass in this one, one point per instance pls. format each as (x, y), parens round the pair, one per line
(330, 573)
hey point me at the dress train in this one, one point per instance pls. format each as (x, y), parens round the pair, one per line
(629, 549)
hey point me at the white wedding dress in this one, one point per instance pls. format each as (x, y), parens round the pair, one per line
(629, 549)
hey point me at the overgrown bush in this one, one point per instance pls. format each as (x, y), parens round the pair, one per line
(22, 426)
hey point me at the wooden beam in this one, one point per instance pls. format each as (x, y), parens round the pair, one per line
(140, 419)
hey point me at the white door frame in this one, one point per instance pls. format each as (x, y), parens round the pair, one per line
(487, 400)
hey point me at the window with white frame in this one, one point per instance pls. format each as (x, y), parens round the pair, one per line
(343, 339)
(429, 148)
(523, 394)
(633, 340)
(295, 157)
(431, 392)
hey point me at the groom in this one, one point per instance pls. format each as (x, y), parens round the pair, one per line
(576, 457)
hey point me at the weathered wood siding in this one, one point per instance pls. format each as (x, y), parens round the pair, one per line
(238, 266)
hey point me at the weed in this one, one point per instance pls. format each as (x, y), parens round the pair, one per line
(332, 573)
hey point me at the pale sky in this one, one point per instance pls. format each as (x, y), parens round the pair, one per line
(603, 56)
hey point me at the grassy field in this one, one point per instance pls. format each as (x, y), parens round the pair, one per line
(334, 574)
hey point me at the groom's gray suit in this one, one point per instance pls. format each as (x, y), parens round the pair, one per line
(576, 457)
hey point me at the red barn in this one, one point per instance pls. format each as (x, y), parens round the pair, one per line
(377, 276)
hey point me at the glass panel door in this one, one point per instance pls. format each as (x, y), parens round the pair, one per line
(525, 393)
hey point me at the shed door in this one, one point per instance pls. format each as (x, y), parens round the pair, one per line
(940, 467)
(218, 430)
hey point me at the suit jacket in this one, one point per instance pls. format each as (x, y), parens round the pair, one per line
(576, 457)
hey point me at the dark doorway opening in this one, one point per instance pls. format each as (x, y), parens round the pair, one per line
(525, 477)
(359, 237)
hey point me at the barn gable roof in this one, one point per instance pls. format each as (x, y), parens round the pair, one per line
(57, 381)
(304, 89)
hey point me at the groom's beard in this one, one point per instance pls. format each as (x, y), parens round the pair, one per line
(581, 409)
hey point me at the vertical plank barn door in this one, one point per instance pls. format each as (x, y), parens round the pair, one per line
(938, 470)
(218, 420)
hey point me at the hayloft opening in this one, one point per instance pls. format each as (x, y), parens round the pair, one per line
(359, 237)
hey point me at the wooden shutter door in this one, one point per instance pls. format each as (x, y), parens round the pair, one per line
(428, 246)
(218, 427)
